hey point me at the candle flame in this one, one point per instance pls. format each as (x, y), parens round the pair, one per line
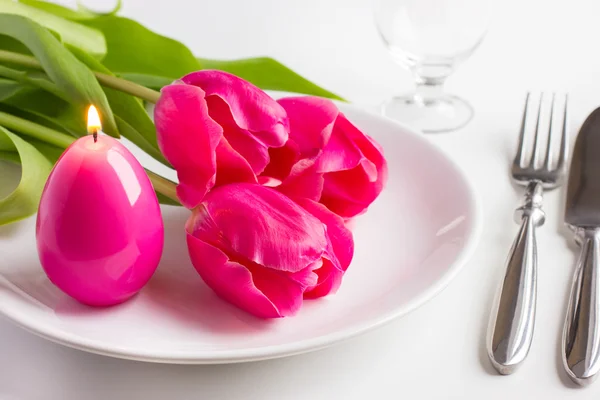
(93, 120)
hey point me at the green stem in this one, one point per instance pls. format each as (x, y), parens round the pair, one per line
(20, 59)
(37, 131)
(61, 140)
(106, 80)
(163, 185)
(128, 87)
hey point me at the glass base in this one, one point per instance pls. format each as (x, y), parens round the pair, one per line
(443, 114)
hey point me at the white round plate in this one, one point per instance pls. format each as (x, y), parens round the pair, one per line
(409, 246)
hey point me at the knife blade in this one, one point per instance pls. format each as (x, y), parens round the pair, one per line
(583, 191)
(581, 333)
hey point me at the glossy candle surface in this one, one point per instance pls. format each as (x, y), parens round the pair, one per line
(99, 227)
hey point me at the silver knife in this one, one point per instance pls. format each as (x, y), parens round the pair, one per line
(581, 333)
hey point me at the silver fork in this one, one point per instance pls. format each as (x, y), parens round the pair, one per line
(513, 315)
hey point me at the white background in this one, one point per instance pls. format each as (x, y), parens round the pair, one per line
(436, 352)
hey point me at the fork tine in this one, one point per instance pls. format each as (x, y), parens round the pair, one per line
(549, 145)
(519, 155)
(534, 155)
(564, 147)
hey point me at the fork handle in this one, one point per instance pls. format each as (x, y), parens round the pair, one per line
(581, 334)
(513, 315)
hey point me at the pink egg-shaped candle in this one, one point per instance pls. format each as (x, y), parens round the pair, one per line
(99, 227)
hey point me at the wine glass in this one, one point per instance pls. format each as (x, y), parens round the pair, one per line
(431, 38)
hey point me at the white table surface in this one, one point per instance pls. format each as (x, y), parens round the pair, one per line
(436, 352)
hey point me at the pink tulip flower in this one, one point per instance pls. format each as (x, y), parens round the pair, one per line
(326, 159)
(263, 252)
(216, 128)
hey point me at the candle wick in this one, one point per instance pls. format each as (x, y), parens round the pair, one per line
(95, 135)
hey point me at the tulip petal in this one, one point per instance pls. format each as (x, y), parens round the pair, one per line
(188, 138)
(311, 122)
(284, 289)
(259, 224)
(252, 121)
(349, 193)
(258, 290)
(350, 188)
(306, 184)
(339, 234)
(231, 166)
(341, 153)
(281, 160)
(268, 181)
(247, 145)
(331, 273)
(329, 281)
(370, 149)
(251, 108)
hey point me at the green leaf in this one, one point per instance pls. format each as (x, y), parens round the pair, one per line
(52, 153)
(33, 78)
(69, 74)
(265, 73)
(132, 119)
(35, 168)
(131, 47)
(6, 144)
(9, 88)
(132, 111)
(268, 74)
(39, 105)
(82, 12)
(30, 106)
(10, 156)
(83, 9)
(70, 32)
(146, 58)
(58, 10)
(135, 136)
(10, 44)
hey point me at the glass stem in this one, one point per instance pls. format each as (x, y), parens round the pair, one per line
(429, 90)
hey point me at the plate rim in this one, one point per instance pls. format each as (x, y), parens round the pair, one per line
(301, 346)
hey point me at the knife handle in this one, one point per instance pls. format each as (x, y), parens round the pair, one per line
(581, 333)
(513, 315)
